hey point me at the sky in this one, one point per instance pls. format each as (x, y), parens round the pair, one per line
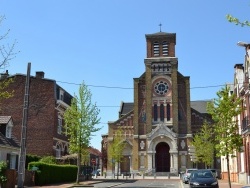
(102, 43)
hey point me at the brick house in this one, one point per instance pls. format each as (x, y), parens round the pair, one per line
(240, 165)
(47, 102)
(9, 145)
(159, 124)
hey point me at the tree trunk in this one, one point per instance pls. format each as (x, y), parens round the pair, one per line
(78, 167)
(228, 171)
(117, 170)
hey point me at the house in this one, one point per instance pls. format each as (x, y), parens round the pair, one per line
(159, 124)
(47, 103)
(240, 164)
(9, 145)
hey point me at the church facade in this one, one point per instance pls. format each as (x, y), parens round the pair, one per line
(158, 126)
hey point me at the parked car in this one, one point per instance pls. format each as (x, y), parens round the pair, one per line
(203, 178)
(185, 176)
(96, 172)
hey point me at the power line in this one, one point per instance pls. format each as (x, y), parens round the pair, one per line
(118, 87)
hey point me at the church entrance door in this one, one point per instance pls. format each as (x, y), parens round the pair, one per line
(125, 165)
(162, 157)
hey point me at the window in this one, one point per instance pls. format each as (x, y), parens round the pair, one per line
(59, 126)
(162, 112)
(168, 112)
(155, 112)
(165, 48)
(13, 161)
(61, 94)
(58, 151)
(8, 131)
(156, 49)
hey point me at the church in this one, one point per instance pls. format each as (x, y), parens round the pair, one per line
(159, 124)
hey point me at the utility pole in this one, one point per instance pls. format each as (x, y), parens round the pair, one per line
(22, 156)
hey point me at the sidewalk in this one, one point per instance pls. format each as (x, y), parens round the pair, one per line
(99, 179)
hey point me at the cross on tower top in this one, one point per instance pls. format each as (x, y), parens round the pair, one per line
(160, 26)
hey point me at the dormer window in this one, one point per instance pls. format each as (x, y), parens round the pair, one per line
(165, 48)
(61, 94)
(8, 131)
(156, 49)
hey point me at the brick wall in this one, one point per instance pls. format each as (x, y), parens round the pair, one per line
(42, 116)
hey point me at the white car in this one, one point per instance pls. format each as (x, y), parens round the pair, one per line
(185, 176)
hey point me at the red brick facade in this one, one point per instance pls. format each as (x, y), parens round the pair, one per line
(42, 136)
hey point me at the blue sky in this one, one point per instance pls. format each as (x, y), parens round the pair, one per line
(103, 44)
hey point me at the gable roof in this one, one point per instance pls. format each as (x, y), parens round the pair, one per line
(8, 142)
(5, 119)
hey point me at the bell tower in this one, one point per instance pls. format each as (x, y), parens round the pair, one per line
(161, 81)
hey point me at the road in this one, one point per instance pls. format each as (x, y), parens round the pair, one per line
(149, 183)
(154, 183)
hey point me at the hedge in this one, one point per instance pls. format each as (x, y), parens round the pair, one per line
(50, 173)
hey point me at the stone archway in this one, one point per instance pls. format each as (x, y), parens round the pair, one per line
(162, 157)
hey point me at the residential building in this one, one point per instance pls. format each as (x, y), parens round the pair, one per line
(158, 125)
(240, 165)
(9, 145)
(47, 103)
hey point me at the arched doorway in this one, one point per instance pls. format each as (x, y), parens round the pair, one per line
(162, 157)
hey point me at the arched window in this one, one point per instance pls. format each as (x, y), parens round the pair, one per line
(155, 112)
(156, 49)
(168, 112)
(165, 48)
(162, 112)
(58, 151)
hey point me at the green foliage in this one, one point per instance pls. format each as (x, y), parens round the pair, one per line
(117, 146)
(4, 94)
(204, 145)
(224, 109)
(3, 168)
(50, 173)
(80, 120)
(48, 160)
(236, 21)
(31, 158)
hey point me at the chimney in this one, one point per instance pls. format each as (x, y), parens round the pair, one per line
(39, 74)
(4, 75)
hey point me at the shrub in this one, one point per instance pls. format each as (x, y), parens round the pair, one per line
(51, 173)
(3, 168)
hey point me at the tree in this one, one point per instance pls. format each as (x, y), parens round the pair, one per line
(224, 109)
(7, 53)
(116, 148)
(235, 20)
(204, 139)
(80, 120)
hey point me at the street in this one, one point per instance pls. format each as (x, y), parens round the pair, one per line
(150, 183)
(153, 183)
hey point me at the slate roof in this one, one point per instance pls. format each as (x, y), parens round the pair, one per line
(126, 108)
(200, 106)
(8, 142)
